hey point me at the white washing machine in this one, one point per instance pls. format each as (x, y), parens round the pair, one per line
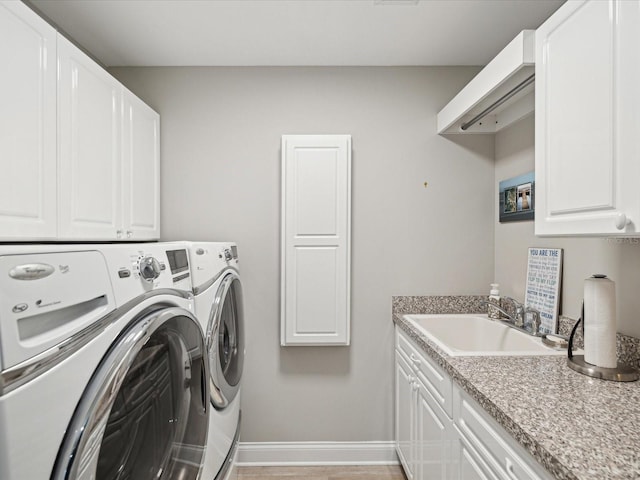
(219, 308)
(103, 369)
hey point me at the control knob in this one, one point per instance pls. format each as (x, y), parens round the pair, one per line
(149, 269)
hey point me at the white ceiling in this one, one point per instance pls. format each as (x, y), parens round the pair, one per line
(294, 32)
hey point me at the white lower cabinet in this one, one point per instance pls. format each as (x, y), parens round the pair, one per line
(470, 465)
(486, 449)
(404, 416)
(443, 434)
(424, 430)
(434, 433)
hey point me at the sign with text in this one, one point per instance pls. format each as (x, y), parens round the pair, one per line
(544, 276)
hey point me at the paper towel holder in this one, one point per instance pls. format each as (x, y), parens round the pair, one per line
(622, 373)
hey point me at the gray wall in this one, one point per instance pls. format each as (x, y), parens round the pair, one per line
(221, 131)
(619, 259)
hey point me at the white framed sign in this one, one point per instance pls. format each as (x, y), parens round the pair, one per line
(544, 278)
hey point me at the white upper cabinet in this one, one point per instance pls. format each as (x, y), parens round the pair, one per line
(27, 125)
(587, 121)
(140, 169)
(89, 112)
(79, 153)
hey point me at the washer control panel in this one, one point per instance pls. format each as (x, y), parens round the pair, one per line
(149, 268)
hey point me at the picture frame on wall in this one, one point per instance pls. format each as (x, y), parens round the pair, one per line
(516, 198)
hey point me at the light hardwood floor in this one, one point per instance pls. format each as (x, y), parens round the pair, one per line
(322, 473)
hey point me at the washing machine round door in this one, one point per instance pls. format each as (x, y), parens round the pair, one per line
(225, 341)
(144, 414)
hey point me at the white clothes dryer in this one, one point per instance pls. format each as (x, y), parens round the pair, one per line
(103, 371)
(219, 308)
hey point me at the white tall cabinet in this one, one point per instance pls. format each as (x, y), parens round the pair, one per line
(27, 124)
(79, 153)
(316, 232)
(587, 120)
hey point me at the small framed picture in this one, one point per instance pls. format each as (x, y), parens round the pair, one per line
(516, 198)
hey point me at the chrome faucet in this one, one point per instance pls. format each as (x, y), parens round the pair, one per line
(525, 318)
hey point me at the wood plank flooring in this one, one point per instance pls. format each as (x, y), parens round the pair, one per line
(384, 472)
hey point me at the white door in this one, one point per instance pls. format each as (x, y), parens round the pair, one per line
(89, 112)
(587, 144)
(27, 125)
(316, 219)
(140, 169)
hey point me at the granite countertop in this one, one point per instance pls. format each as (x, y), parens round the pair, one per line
(577, 427)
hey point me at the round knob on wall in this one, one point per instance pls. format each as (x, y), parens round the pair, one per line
(149, 269)
(622, 221)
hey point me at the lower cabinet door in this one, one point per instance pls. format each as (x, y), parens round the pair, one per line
(434, 436)
(469, 465)
(405, 400)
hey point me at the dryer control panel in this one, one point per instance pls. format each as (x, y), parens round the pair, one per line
(208, 259)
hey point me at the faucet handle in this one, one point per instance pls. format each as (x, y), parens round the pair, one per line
(519, 309)
(532, 317)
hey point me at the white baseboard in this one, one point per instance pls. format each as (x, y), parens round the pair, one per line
(316, 453)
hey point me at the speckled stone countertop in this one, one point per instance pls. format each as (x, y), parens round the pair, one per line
(577, 427)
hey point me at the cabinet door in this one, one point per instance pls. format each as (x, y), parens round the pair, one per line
(89, 112)
(27, 125)
(469, 464)
(628, 113)
(404, 415)
(140, 169)
(316, 230)
(433, 438)
(582, 160)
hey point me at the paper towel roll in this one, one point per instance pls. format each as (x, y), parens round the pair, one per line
(600, 322)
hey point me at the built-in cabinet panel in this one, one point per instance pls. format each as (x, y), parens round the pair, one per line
(316, 223)
(89, 112)
(587, 120)
(27, 125)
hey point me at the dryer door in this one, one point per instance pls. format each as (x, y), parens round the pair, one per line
(225, 341)
(144, 414)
